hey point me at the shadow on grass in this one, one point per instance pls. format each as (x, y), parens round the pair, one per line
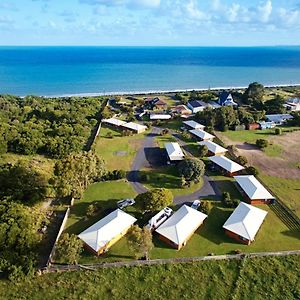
(212, 228)
(155, 156)
(295, 233)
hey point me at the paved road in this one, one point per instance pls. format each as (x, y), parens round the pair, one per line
(141, 161)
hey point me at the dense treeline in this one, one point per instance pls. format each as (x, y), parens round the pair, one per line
(50, 126)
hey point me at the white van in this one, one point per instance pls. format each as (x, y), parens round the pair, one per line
(159, 218)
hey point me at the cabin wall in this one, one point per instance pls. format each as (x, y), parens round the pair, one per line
(237, 237)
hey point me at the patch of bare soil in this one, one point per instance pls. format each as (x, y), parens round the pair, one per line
(284, 166)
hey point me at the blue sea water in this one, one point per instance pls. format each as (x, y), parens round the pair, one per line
(83, 70)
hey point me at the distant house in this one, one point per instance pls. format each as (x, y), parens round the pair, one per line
(266, 125)
(174, 152)
(196, 106)
(180, 227)
(160, 104)
(193, 125)
(202, 135)
(114, 122)
(253, 191)
(213, 148)
(293, 104)
(182, 110)
(102, 235)
(226, 99)
(154, 117)
(253, 126)
(230, 167)
(135, 127)
(244, 223)
(279, 119)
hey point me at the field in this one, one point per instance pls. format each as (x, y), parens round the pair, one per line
(118, 151)
(256, 278)
(278, 164)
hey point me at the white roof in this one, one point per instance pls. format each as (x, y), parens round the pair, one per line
(245, 220)
(226, 163)
(202, 134)
(160, 117)
(193, 124)
(213, 147)
(114, 121)
(134, 126)
(181, 224)
(252, 187)
(174, 151)
(99, 234)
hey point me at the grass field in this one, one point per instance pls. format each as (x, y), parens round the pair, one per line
(168, 177)
(256, 278)
(118, 151)
(250, 136)
(287, 189)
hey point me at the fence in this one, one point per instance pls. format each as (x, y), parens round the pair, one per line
(94, 267)
(61, 229)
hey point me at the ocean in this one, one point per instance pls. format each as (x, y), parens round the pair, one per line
(57, 71)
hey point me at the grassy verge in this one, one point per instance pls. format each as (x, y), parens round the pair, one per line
(259, 279)
(118, 151)
(287, 189)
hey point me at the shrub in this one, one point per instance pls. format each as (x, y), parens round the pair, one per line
(228, 202)
(144, 177)
(165, 131)
(109, 135)
(262, 143)
(205, 207)
(203, 150)
(278, 131)
(93, 209)
(252, 171)
(242, 160)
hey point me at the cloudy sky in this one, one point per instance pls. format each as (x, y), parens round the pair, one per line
(150, 22)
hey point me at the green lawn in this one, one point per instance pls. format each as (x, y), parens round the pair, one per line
(288, 190)
(168, 177)
(226, 184)
(107, 193)
(274, 150)
(118, 151)
(162, 139)
(250, 136)
(256, 278)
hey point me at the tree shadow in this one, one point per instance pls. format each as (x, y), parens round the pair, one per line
(295, 233)
(155, 156)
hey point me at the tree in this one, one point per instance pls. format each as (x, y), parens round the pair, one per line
(106, 113)
(192, 169)
(262, 143)
(254, 95)
(75, 172)
(205, 207)
(203, 150)
(275, 105)
(68, 248)
(20, 182)
(242, 160)
(154, 200)
(140, 241)
(228, 202)
(18, 239)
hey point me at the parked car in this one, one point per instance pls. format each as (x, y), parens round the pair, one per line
(124, 203)
(159, 218)
(196, 204)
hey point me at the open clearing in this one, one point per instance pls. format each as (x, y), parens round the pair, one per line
(256, 278)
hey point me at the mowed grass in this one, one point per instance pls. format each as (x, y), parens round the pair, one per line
(250, 278)
(288, 190)
(117, 151)
(106, 194)
(168, 177)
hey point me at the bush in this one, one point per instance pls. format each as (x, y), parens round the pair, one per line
(242, 160)
(262, 143)
(114, 175)
(144, 177)
(278, 131)
(252, 171)
(205, 207)
(165, 131)
(203, 150)
(228, 202)
(93, 209)
(109, 135)
(191, 169)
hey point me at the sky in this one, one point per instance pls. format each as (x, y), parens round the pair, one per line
(150, 22)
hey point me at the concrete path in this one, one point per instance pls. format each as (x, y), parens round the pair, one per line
(208, 189)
